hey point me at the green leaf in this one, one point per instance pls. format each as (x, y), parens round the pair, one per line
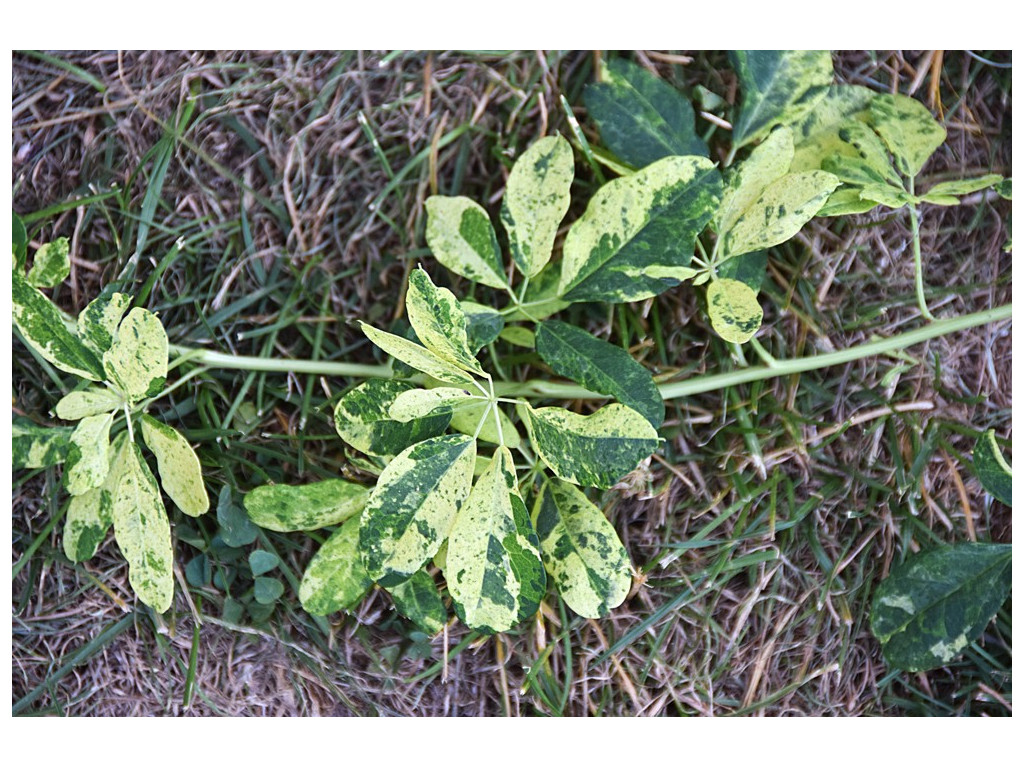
(236, 530)
(420, 403)
(410, 511)
(493, 566)
(143, 532)
(97, 323)
(335, 578)
(91, 514)
(42, 328)
(891, 197)
(460, 235)
(749, 269)
(779, 88)
(641, 117)
(993, 471)
(50, 265)
(363, 419)
(137, 359)
(267, 590)
(938, 193)
(439, 321)
(483, 324)
(308, 507)
(199, 572)
(34, 446)
(519, 336)
(467, 421)
(780, 211)
(19, 241)
(88, 458)
(88, 402)
(181, 475)
(1005, 189)
(935, 604)
(816, 137)
(600, 367)
(734, 310)
(595, 450)
(747, 181)
(418, 600)
(261, 562)
(418, 357)
(908, 130)
(639, 231)
(582, 553)
(536, 201)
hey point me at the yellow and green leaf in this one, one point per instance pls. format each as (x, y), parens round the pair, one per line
(947, 192)
(734, 310)
(304, 507)
(582, 552)
(460, 235)
(418, 600)
(908, 130)
(418, 357)
(50, 265)
(363, 419)
(439, 322)
(97, 323)
(88, 459)
(335, 579)
(91, 514)
(181, 475)
(493, 565)
(410, 511)
(746, 181)
(88, 402)
(536, 200)
(136, 362)
(421, 403)
(993, 471)
(816, 137)
(595, 450)
(34, 446)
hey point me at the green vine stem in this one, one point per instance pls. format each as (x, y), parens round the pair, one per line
(915, 227)
(669, 390)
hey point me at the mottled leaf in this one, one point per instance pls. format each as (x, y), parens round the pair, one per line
(51, 264)
(42, 328)
(779, 88)
(483, 324)
(418, 357)
(418, 600)
(304, 507)
(639, 230)
(88, 458)
(536, 200)
(97, 323)
(734, 310)
(935, 604)
(335, 578)
(493, 566)
(410, 511)
(582, 553)
(865, 159)
(439, 322)
(946, 192)
(88, 402)
(468, 418)
(595, 450)
(846, 201)
(748, 268)
(363, 419)
(91, 514)
(420, 403)
(181, 475)
(34, 446)
(600, 367)
(143, 532)
(641, 117)
(460, 235)
(993, 471)
(816, 137)
(137, 359)
(908, 130)
(891, 197)
(746, 181)
(542, 297)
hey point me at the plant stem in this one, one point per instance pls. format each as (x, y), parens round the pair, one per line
(915, 228)
(316, 367)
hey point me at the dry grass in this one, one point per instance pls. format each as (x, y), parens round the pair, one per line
(308, 171)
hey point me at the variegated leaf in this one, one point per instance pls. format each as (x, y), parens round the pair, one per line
(493, 566)
(88, 457)
(846, 201)
(779, 88)
(478, 420)
(993, 471)
(734, 310)
(363, 419)
(866, 159)
(88, 402)
(91, 514)
(305, 507)
(420, 403)
(335, 579)
(97, 323)
(136, 362)
(42, 328)
(638, 230)
(536, 200)
(439, 321)
(410, 511)
(595, 450)
(747, 181)
(816, 137)
(143, 532)
(890, 197)
(641, 117)
(582, 552)
(780, 211)
(418, 600)
(181, 475)
(483, 324)
(418, 357)
(908, 130)
(947, 192)
(748, 269)
(600, 367)
(460, 235)
(34, 446)
(51, 264)
(930, 608)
